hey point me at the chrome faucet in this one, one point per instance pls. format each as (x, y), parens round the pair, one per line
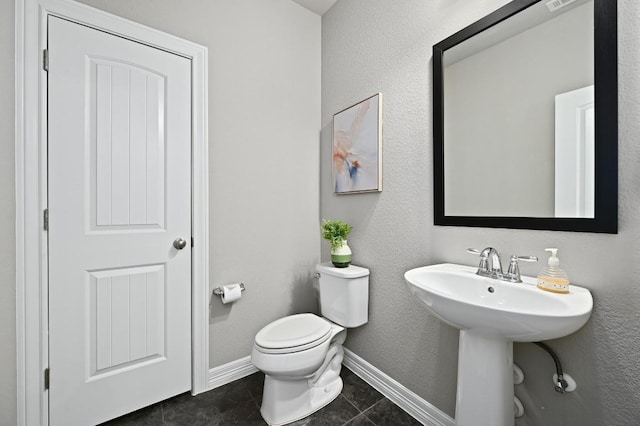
(491, 265)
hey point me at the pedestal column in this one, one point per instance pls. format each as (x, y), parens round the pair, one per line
(485, 381)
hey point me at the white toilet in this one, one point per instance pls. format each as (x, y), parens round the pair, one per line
(301, 355)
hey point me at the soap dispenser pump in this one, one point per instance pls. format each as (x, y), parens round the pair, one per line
(553, 278)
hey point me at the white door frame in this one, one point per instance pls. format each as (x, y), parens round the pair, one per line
(31, 195)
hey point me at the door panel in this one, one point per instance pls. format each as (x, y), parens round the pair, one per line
(117, 341)
(127, 143)
(119, 155)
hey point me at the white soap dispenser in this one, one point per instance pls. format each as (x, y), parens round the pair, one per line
(553, 278)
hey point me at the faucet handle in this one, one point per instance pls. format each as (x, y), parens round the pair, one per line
(525, 258)
(483, 267)
(513, 273)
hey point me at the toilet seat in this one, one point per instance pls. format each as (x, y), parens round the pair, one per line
(293, 333)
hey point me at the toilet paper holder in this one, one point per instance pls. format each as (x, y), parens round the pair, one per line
(218, 290)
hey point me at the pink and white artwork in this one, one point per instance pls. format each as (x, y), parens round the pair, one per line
(357, 147)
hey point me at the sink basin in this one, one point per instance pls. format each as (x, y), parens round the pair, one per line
(518, 312)
(491, 315)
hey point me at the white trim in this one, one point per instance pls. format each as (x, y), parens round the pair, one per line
(31, 184)
(423, 411)
(21, 323)
(230, 372)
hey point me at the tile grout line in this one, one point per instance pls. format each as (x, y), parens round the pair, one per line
(352, 403)
(361, 412)
(364, 413)
(368, 386)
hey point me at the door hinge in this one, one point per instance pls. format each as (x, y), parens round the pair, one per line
(45, 219)
(46, 379)
(191, 241)
(45, 59)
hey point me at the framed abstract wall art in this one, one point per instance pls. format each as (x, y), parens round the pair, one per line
(357, 147)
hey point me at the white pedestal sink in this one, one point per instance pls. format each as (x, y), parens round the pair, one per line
(491, 315)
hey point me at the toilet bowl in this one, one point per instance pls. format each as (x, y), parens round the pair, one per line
(299, 379)
(301, 355)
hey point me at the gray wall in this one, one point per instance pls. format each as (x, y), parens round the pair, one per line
(7, 214)
(378, 45)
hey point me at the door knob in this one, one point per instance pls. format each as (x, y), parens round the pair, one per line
(179, 243)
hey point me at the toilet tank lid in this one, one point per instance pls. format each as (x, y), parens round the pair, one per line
(292, 331)
(350, 271)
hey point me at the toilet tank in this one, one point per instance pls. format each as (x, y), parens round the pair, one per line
(344, 294)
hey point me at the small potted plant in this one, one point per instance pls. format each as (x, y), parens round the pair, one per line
(336, 232)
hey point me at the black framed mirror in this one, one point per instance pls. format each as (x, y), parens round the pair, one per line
(526, 119)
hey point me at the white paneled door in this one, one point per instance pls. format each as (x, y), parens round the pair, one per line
(119, 197)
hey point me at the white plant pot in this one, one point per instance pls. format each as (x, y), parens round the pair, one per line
(341, 255)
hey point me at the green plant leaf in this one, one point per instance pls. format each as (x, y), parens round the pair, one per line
(335, 231)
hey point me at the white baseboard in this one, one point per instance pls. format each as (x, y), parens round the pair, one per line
(231, 371)
(421, 410)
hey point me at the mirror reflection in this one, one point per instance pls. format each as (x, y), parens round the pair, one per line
(519, 116)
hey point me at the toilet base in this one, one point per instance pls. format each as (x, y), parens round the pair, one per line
(285, 401)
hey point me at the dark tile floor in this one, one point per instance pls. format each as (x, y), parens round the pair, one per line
(238, 403)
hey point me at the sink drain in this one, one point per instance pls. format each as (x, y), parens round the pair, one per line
(491, 290)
